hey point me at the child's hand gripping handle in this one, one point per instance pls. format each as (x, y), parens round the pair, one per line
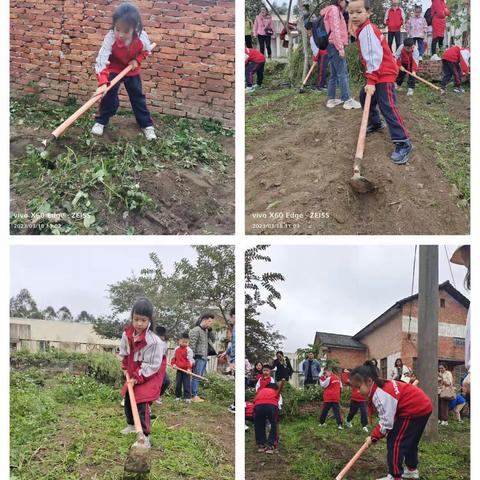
(362, 134)
(190, 373)
(352, 461)
(133, 404)
(75, 116)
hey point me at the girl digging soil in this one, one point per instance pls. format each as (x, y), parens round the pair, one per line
(126, 44)
(144, 358)
(403, 411)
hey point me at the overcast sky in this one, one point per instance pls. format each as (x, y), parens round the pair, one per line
(77, 277)
(341, 289)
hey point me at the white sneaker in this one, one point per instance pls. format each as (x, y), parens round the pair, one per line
(149, 133)
(365, 429)
(340, 427)
(411, 473)
(396, 86)
(177, 399)
(128, 429)
(146, 443)
(97, 129)
(410, 92)
(122, 403)
(188, 401)
(159, 401)
(250, 89)
(348, 424)
(333, 102)
(351, 103)
(322, 425)
(388, 477)
(435, 58)
(420, 59)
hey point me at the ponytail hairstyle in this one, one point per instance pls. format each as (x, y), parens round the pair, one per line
(143, 307)
(366, 371)
(128, 13)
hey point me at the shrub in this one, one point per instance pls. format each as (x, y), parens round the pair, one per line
(105, 368)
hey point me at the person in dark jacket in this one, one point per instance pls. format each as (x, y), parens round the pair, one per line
(283, 367)
(310, 370)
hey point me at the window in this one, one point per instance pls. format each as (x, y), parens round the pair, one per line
(458, 342)
(13, 346)
(442, 303)
(383, 368)
(43, 345)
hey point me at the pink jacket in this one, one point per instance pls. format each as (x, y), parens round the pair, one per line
(416, 27)
(261, 24)
(336, 26)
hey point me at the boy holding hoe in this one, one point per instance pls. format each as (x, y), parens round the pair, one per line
(381, 71)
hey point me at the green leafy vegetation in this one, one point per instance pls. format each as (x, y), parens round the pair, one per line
(67, 427)
(314, 452)
(83, 176)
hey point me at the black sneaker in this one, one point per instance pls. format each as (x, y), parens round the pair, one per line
(375, 128)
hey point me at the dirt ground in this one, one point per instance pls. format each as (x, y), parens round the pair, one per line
(186, 201)
(297, 177)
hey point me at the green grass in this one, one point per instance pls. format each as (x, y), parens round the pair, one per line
(314, 452)
(67, 427)
(84, 176)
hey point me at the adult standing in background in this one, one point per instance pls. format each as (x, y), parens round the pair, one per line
(200, 335)
(310, 370)
(263, 30)
(283, 367)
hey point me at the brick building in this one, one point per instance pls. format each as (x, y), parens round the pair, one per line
(393, 335)
(53, 46)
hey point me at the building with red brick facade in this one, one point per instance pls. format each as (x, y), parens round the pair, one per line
(393, 335)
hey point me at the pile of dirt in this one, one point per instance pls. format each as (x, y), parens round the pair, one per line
(297, 178)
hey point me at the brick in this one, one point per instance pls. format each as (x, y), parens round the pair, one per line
(54, 44)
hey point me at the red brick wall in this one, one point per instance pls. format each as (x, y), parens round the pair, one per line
(430, 70)
(347, 358)
(54, 43)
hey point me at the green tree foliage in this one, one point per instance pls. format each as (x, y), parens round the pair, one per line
(49, 313)
(24, 306)
(252, 8)
(64, 314)
(261, 339)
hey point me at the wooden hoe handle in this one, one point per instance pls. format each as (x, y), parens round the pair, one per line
(75, 116)
(414, 75)
(350, 464)
(190, 373)
(363, 127)
(308, 74)
(133, 404)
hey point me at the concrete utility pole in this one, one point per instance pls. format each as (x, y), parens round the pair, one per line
(428, 307)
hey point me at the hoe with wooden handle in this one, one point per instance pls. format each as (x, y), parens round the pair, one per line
(89, 104)
(359, 183)
(302, 88)
(138, 459)
(352, 461)
(414, 75)
(190, 373)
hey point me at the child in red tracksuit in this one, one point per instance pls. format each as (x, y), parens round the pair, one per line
(265, 378)
(254, 63)
(266, 408)
(321, 57)
(455, 61)
(407, 57)
(125, 44)
(440, 12)
(183, 358)
(144, 356)
(357, 402)
(403, 411)
(394, 19)
(331, 396)
(381, 71)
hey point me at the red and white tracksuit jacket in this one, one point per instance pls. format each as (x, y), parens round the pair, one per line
(183, 357)
(458, 55)
(409, 60)
(253, 55)
(262, 382)
(439, 13)
(377, 59)
(267, 396)
(114, 55)
(394, 19)
(332, 388)
(396, 399)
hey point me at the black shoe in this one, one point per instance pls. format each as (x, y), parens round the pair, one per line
(375, 128)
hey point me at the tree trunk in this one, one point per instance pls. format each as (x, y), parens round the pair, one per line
(303, 33)
(290, 39)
